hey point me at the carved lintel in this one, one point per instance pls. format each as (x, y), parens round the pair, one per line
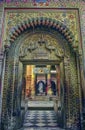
(34, 50)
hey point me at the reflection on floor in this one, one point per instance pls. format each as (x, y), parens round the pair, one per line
(40, 120)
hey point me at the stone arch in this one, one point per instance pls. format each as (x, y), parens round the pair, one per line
(42, 21)
(25, 26)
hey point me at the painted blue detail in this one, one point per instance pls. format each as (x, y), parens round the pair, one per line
(41, 1)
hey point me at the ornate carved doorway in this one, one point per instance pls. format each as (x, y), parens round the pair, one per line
(43, 46)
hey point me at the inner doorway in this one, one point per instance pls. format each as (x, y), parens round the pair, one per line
(42, 80)
(43, 95)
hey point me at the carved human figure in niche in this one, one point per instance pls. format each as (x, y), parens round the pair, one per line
(40, 89)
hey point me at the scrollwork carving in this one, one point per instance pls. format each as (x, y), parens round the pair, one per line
(59, 53)
(49, 46)
(41, 47)
(32, 46)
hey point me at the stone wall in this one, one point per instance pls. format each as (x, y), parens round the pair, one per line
(80, 4)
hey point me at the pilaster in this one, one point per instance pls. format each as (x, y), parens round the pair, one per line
(1, 81)
(5, 85)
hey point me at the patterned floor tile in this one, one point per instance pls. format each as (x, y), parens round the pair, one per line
(40, 120)
(39, 128)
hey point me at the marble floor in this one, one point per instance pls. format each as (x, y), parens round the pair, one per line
(41, 128)
(40, 120)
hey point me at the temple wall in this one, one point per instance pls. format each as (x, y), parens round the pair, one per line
(80, 4)
(82, 22)
(51, 4)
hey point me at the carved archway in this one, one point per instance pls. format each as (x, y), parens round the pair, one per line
(54, 29)
(45, 22)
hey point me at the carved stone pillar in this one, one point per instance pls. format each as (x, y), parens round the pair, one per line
(5, 86)
(49, 91)
(65, 95)
(1, 78)
(15, 95)
(24, 84)
(72, 100)
(80, 86)
(28, 80)
(58, 80)
(70, 90)
(15, 87)
(32, 81)
(69, 93)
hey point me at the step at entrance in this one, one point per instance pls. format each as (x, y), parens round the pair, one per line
(41, 105)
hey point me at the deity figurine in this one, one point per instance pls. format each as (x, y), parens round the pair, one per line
(40, 89)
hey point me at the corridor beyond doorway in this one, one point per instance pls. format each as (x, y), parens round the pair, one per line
(41, 81)
(42, 94)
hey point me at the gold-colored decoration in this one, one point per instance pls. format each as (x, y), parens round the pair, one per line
(14, 18)
(34, 48)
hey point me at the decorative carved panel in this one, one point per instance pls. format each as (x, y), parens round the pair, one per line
(41, 46)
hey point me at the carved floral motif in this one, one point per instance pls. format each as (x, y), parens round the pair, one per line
(67, 18)
(41, 46)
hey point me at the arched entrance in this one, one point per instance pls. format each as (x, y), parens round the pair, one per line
(41, 42)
